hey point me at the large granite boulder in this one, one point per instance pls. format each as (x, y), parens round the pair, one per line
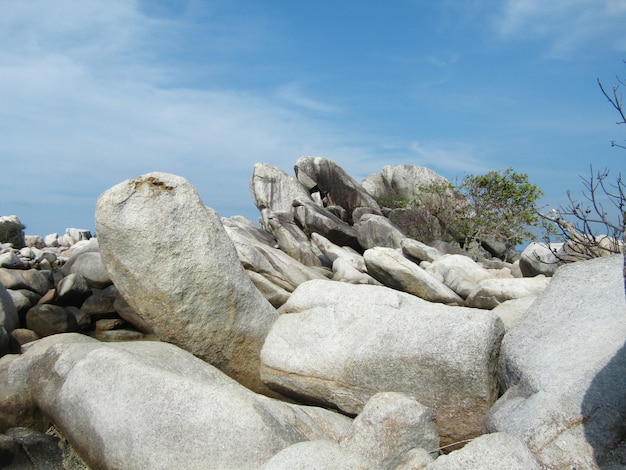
(177, 411)
(337, 188)
(274, 190)
(563, 367)
(340, 344)
(199, 299)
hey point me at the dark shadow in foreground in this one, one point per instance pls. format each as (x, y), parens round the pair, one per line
(604, 412)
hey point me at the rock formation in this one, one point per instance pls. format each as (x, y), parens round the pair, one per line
(323, 337)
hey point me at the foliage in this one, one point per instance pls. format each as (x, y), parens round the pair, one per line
(503, 207)
(394, 199)
(498, 206)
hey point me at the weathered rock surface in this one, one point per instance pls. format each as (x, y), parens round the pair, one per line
(538, 258)
(392, 269)
(46, 320)
(492, 292)
(496, 451)
(89, 266)
(389, 426)
(563, 369)
(419, 251)
(339, 344)
(199, 418)
(203, 302)
(406, 180)
(290, 238)
(263, 259)
(318, 455)
(12, 231)
(376, 230)
(336, 187)
(273, 190)
(314, 218)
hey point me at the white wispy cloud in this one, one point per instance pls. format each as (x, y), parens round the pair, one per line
(293, 93)
(568, 25)
(87, 102)
(452, 158)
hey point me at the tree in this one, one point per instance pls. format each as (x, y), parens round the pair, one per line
(503, 207)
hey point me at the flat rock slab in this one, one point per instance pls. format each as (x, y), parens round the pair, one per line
(339, 344)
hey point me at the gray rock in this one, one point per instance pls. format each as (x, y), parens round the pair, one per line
(538, 258)
(376, 230)
(314, 218)
(126, 312)
(31, 279)
(276, 266)
(339, 344)
(514, 310)
(460, 273)
(344, 271)
(333, 252)
(389, 267)
(24, 335)
(496, 451)
(11, 260)
(563, 366)
(72, 290)
(46, 320)
(12, 231)
(337, 187)
(99, 305)
(77, 234)
(415, 459)
(389, 426)
(201, 300)
(419, 251)
(248, 230)
(9, 318)
(290, 238)
(89, 265)
(199, 418)
(274, 190)
(492, 292)
(402, 179)
(274, 294)
(318, 455)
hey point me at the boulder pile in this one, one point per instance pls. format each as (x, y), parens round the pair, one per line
(323, 337)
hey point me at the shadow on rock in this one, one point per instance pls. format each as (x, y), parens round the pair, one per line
(604, 412)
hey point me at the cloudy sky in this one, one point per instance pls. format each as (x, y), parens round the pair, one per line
(95, 92)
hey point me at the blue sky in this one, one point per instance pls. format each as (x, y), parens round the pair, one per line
(93, 93)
